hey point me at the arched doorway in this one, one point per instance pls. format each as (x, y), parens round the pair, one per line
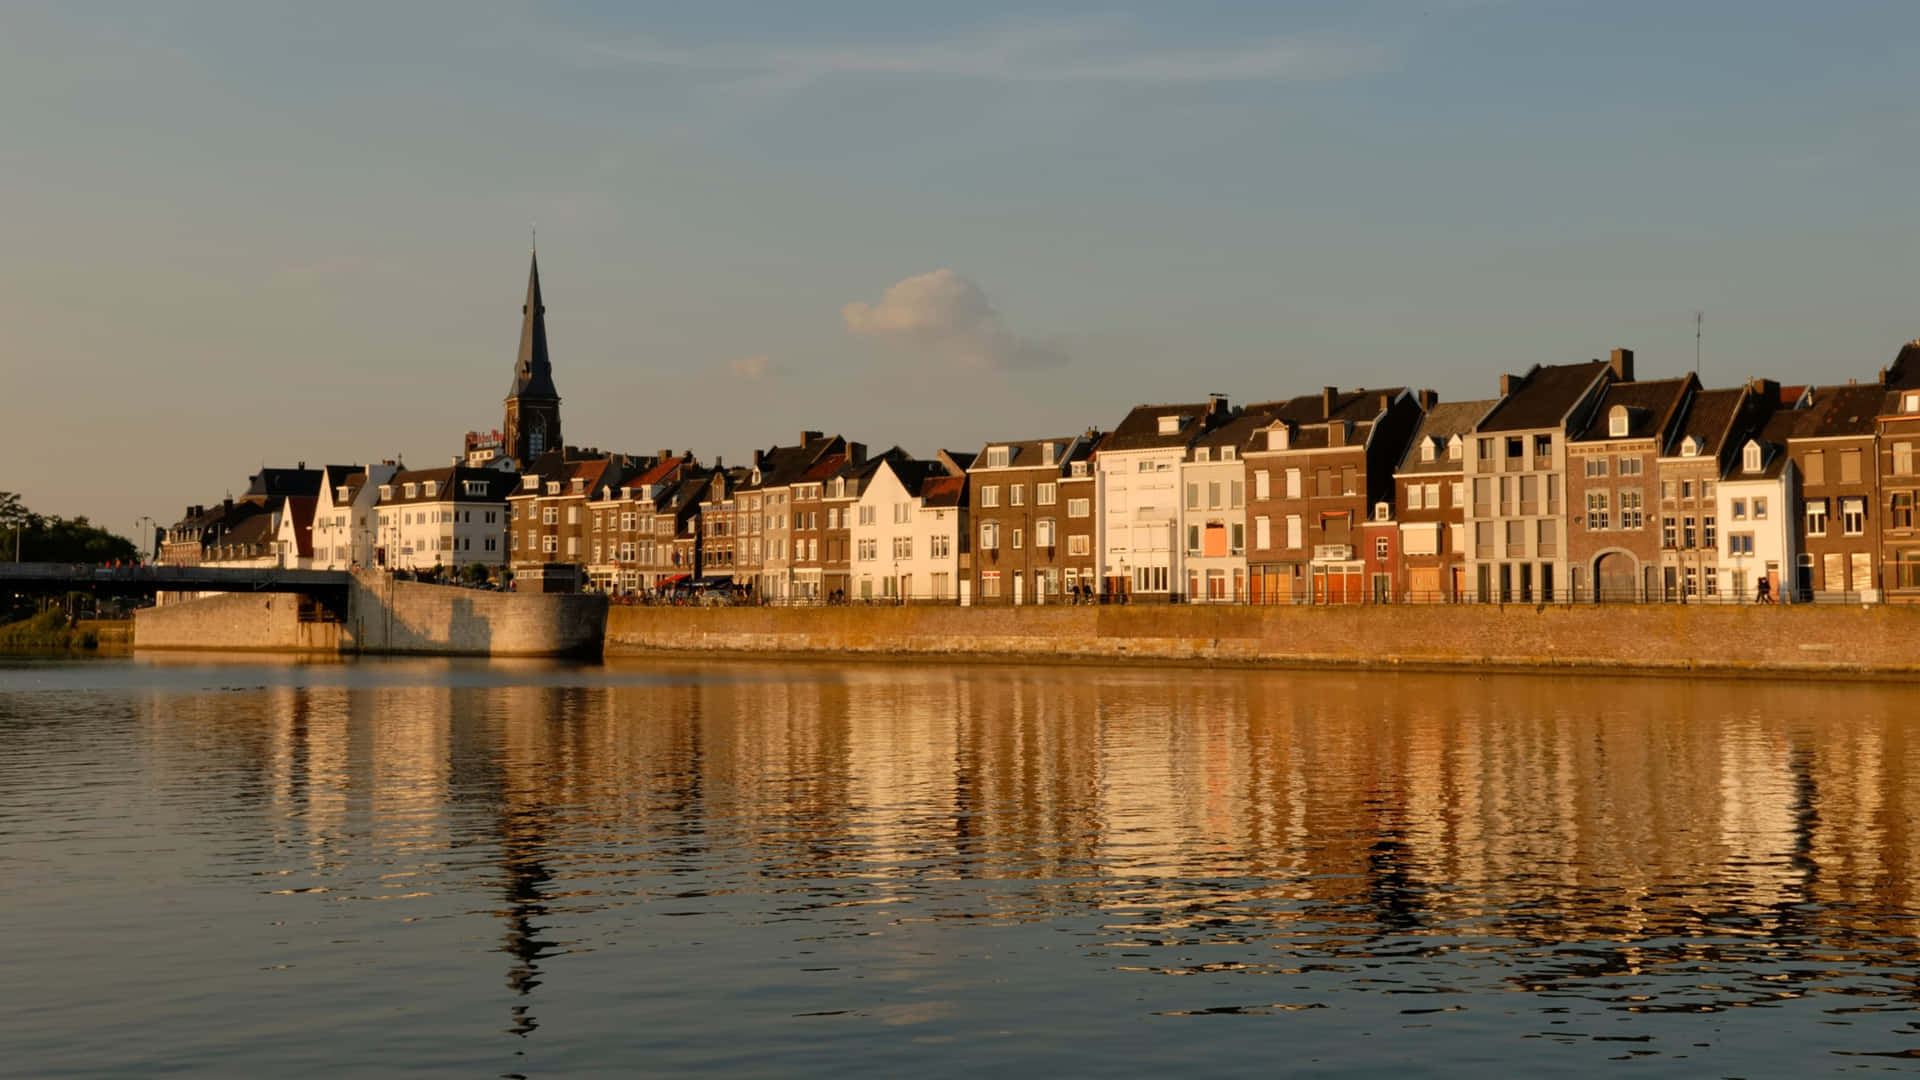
(1616, 577)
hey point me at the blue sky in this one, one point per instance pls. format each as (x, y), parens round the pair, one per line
(271, 232)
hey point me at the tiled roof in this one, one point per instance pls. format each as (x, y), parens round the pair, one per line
(451, 483)
(300, 508)
(1841, 410)
(1650, 406)
(1772, 436)
(1026, 453)
(1141, 428)
(1545, 398)
(944, 491)
(1710, 419)
(1444, 421)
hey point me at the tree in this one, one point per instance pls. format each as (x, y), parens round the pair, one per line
(25, 534)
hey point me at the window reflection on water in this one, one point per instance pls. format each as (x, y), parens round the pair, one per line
(1397, 849)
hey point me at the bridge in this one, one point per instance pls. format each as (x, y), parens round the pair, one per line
(328, 587)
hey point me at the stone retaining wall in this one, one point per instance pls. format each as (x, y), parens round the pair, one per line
(1786, 638)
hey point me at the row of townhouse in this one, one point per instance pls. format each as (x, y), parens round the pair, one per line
(1574, 482)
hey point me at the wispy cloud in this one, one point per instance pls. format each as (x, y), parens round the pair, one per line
(1093, 50)
(947, 318)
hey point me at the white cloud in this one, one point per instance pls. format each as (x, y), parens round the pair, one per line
(752, 367)
(947, 317)
(1084, 50)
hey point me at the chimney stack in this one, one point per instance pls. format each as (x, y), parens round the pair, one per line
(664, 456)
(756, 458)
(1507, 383)
(1428, 399)
(857, 453)
(808, 438)
(1622, 364)
(1327, 394)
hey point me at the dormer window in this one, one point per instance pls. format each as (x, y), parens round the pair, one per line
(579, 484)
(340, 494)
(756, 477)
(553, 487)
(1453, 448)
(1170, 425)
(433, 488)
(1228, 453)
(1750, 457)
(1079, 468)
(1382, 511)
(1199, 453)
(386, 492)
(1910, 402)
(413, 490)
(1429, 448)
(1618, 422)
(1690, 446)
(998, 457)
(1049, 453)
(1279, 437)
(475, 487)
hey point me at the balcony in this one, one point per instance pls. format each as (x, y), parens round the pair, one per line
(1332, 552)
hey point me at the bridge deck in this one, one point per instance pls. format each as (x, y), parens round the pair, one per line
(90, 577)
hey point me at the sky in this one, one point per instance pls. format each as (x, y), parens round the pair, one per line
(261, 233)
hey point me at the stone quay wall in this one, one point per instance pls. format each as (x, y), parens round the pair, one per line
(387, 617)
(1656, 637)
(265, 622)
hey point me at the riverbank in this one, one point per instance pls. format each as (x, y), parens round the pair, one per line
(52, 630)
(1727, 639)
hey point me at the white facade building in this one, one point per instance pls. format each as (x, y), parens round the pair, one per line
(443, 518)
(908, 526)
(1139, 499)
(1213, 511)
(344, 523)
(1755, 507)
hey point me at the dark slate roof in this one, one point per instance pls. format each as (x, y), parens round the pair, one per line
(1710, 418)
(1841, 410)
(533, 373)
(301, 508)
(1772, 436)
(1242, 432)
(279, 483)
(1444, 421)
(1543, 400)
(1027, 453)
(782, 465)
(1650, 406)
(1141, 429)
(452, 480)
(1904, 374)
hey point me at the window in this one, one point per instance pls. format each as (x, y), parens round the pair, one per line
(1016, 494)
(1849, 466)
(1910, 402)
(549, 544)
(1667, 490)
(1759, 508)
(1044, 494)
(1261, 485)
(1348, 477)
(990, 583)
(1708, 537)
(1816, 517)
(1631, 466)
(1262, 533)
(1193, 539)
(1739, 509)
(549, 515)
(1632, 510)
(1596, 466)
(1293, 531)
(1382, 548)
(1213, 495)
(1902, 509)
(1043, 533)
(1816, 466)
(1413, 497)
(1199, 453)
(1688, 533)
(990, 536)
(1543, 446)
(1193, 496)
(1079, 545)
(1903, 459)
(1236, 493)
(1238, 534)
(1293, 483)
(1228, 453)
(1484, 449)
(1750, 457)
(573, 515)
(1169, 425)
(1669, 532)
(1078, 508)
(1740, 543)
(1618, 422)
(1693, 581)
(1459, 493)
(990, 495)
(1597, 516)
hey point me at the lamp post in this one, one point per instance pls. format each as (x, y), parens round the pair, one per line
(140, 546)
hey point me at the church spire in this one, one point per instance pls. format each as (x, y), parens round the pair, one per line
(533, 375)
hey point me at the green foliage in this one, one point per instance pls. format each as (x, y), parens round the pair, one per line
(48, 630)
(56, 539)
(475, 573)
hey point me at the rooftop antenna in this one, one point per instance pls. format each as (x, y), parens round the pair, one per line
(533, 237)
(1698, 317)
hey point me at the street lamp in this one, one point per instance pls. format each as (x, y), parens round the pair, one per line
(140, 545)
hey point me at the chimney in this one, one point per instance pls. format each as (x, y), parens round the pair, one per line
(1428, 399)
(1327, 394)
(1622, 364)
(756, 458)
(856, 453)
(303, 466)
(1386, 402)
(1217, 405)
(718, 465)
(664, 456)
(807, 438)
(1507, 383)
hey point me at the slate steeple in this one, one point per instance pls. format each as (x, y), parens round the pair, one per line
(533, 405)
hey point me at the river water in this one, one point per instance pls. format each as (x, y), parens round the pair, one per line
(439, 868)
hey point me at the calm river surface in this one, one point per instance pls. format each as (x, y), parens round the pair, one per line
(439, 868)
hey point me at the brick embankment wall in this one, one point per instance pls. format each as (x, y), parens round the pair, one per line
(1784, 638)
(388, 616)
(239, 621)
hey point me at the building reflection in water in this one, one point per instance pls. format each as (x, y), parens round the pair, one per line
(1656, 822)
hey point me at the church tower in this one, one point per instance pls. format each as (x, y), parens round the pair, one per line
(533, 406)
